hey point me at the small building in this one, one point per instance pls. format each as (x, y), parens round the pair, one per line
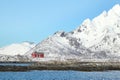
(37, 55)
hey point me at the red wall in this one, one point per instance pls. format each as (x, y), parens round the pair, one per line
(37, 55)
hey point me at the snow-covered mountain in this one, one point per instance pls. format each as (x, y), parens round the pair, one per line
(98, 38)
(15, 52)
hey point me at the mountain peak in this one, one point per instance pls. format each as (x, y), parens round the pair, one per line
(98, 38)
(16, 48)
(116, 7)
(115, 11)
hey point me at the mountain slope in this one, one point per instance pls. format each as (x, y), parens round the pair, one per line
(17, 49)
(93, 39)
(15, 52)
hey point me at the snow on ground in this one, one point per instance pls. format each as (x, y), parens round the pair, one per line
(96, 39)
(16, 49)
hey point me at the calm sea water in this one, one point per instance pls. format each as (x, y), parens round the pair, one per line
(60, 75)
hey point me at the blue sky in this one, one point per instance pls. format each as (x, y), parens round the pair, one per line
(35, 20)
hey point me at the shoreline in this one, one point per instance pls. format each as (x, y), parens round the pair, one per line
(76, 66)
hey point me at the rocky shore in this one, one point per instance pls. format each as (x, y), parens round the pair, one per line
(54, 65)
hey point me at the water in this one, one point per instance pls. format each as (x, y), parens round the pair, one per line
(60, 75)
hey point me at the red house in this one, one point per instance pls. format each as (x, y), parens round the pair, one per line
(37, 55)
